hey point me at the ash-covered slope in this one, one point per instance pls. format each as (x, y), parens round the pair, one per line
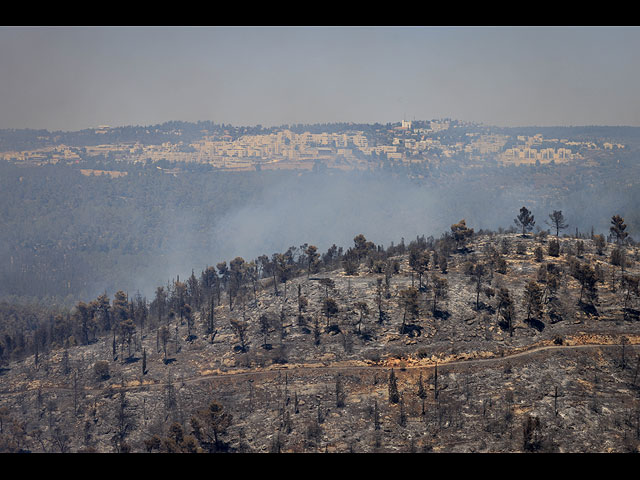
(535, 350)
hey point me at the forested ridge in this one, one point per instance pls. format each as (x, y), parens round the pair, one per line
(67, 236)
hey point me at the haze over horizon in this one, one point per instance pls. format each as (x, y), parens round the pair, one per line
(72, 78)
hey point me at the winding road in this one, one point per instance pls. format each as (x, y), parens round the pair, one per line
(333, 368)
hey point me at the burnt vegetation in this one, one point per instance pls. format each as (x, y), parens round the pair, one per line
(474, 341)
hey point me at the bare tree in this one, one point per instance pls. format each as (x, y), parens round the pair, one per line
(379, 300)
(363, 312)
(240, 328)
(164, 339)
(557, 221)
(477, 272)
(124, 422)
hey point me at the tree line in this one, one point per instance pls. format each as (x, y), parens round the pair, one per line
(32, 330)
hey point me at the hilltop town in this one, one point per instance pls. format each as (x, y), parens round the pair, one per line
(362, 147)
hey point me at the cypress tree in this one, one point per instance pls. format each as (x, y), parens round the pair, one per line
(394, 396)
(144, 361)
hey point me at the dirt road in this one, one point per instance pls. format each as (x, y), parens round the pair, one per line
(335, 368)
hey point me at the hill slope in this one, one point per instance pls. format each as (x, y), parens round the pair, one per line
(308, 368)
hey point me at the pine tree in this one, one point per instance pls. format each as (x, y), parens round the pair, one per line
(461, 233)
(313, 259)
(618, 228)
(600, 243)
(533, 299)
(525, 220)
(506, 309)
(440, 287)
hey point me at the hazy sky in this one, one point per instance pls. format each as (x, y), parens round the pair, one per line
(69, 78)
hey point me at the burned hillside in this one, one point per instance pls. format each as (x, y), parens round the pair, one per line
(473, 342)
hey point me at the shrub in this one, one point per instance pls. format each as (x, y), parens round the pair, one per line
(539, 255)
(501, 266)
(101, 369)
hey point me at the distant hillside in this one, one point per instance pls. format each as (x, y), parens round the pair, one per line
(72, 236)
(180, 131)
